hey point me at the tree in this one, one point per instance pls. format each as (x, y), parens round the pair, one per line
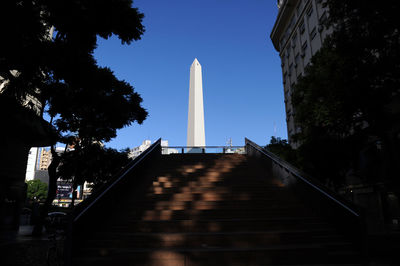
(58, 73)
(281, 148)
(37, 190)
(101, 164)
(347, 104)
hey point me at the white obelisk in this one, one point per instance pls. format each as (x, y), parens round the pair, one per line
(195, 133)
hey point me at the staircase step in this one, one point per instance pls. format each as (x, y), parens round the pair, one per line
(215, 214)
(215, 195)
(227, 225)
(212, 209)
(213, 240)
(217, 205)
(278, 255)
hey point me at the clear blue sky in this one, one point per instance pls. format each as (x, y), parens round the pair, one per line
(242, 83)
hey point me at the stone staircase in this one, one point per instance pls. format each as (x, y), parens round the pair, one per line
(208, 209)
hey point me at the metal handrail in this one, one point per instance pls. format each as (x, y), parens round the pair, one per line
(203, 148)
(298, 173)
(125, 171)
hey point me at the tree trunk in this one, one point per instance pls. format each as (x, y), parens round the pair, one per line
(73, 196)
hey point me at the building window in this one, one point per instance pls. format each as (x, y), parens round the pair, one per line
(310, 11)
(294, 40)
(303, 49)
(286, 94)
(288, 52)
(296, 60)
(323, 18)
(290, 69)
(282, 42)
(291, 23)
(313, 33)
(302, 28)
(299, 75)
(299, 8)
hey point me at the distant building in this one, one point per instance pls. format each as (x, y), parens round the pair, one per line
(297, 35)
(44, 159)
(135, 152)
(39, 160)
(165, 149)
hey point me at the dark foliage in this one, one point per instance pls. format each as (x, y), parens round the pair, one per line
(94, 164)
(281, 148)
(347, 104)
(46, 53)
(60, 70)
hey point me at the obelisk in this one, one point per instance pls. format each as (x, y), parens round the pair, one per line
(195, 132)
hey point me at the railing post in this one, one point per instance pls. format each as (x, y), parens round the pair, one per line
(203, 150)
(183, 149)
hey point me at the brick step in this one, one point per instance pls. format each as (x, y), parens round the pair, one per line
(271, 193)
(217, 189)
(215, 178)
(217, 205)
(276, 255)
(174, 158)
(223, 183)
(216, 196)
(227, 225)
(212, 196)
(212, 214)
(211, 240)
(133, 203)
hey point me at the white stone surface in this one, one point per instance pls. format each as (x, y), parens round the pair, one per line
(195, 132)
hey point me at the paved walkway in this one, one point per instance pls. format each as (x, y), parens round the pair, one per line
(22, 249)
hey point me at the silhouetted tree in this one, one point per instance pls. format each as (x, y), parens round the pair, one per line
(85, 102)
(94, 164)
(281, 148)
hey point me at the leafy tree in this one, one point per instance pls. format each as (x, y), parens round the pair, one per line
(86, 103)
(281, 148)
(347, 104)
(100, 165)
(37, 190)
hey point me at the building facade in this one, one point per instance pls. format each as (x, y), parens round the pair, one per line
(136, 151)
(297, 35)
(31, 165)
(44, 159)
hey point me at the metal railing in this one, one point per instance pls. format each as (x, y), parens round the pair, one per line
(290, 169)
(346, 215)
(104, 195)
(118, 177)
(202, 149)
